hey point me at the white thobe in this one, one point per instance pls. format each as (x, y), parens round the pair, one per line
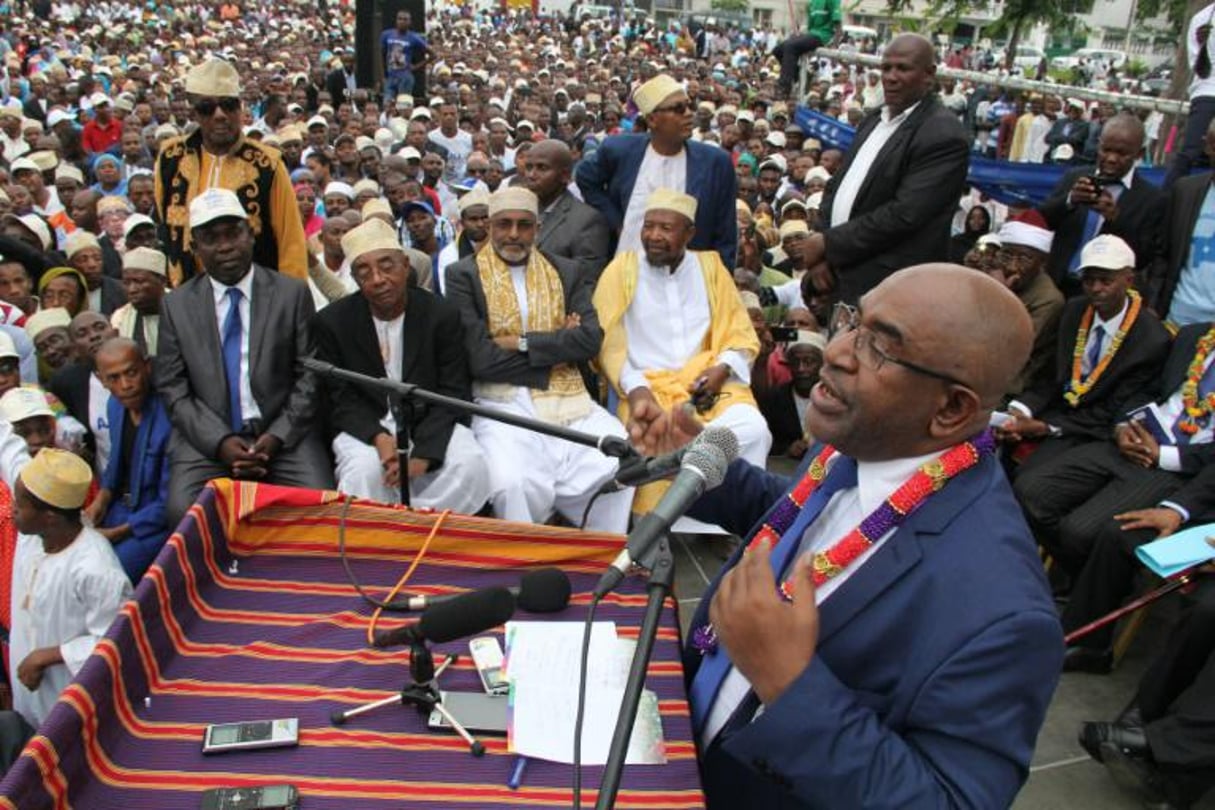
(667, 324)
(657, 171)
(66, 600)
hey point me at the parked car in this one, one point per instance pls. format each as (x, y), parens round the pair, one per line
(1028, 58)
(1110, 57)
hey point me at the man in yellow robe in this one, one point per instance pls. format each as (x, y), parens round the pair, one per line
(677, 336)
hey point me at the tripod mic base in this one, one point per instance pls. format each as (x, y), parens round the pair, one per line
(478, 749)
(338, 718)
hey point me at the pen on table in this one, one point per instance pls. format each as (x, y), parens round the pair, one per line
(516, 774)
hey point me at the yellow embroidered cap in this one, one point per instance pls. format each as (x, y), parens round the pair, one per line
(654, 92)
(146, 259)
(793, 226)
(750, 300)
(23, 403)
(665, 199)
(67, 171)
(45, 319)
(79, 240)
(215, 77)
(373, 234)
(378, 206)
(58, 478)
(478, 196)
(513, 198)
(1107, 252)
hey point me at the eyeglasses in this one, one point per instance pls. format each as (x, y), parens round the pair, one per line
(845, 318)
(206, 106)
(678, 108)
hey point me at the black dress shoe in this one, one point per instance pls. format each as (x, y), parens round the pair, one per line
(1086, 659)
(1138, 773)
(1094, 737)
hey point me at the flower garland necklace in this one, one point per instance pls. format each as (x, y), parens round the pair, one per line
(1196, 410)
(1080, 385)
(931, 477)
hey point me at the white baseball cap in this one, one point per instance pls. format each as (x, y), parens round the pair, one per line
(1107, 252)
(22, 403)
(134, 221)
(215, 203)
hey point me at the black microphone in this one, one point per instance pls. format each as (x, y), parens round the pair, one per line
(643, 471)
(465, 615)
(545, 590)
(704, 467)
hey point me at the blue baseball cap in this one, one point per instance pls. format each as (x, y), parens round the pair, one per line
(417, 205)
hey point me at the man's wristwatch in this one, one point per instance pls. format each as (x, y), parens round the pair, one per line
(523, 343)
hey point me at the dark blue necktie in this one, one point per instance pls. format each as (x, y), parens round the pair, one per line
(231, 337)
(1094, 349)
(716, 665)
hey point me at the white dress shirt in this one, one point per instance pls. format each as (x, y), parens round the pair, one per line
(876, 481)
(667, 323)
(390, 336)
(657, 171)
(1170, 410)
(854, 178)
(248, 405)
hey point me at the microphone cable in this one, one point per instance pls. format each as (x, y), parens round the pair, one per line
(380, 606)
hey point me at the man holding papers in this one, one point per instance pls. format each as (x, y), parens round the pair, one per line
(1092, 507)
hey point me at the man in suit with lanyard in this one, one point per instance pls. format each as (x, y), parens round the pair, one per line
(914, 666)
(256, 421)
(891, 203)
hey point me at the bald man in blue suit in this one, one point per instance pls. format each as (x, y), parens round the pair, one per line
(919, 675)
(618, 177)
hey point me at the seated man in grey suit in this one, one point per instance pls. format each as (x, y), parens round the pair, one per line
(253, 420)
(568, 226)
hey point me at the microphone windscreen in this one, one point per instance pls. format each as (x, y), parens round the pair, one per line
(546, 590)
(722, 438)
(467, 615)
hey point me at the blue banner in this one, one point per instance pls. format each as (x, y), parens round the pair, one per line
(1001, 180)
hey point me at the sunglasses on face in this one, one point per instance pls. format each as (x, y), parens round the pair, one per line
(206, 107)
(678, 108)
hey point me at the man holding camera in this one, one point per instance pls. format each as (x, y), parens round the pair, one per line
(1112, 199)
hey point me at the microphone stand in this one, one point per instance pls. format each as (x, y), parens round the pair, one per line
(611, 446)
(660, 562)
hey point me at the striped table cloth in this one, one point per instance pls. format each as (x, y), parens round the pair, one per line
(248, 615)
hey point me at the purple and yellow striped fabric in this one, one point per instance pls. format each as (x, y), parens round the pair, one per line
(282, 634)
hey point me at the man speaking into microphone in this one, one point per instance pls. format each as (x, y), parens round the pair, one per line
(886, 637)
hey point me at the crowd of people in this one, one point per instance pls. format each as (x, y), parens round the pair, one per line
(621, 230)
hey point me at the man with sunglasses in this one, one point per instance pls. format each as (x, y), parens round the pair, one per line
(218, 156)
(618, 178)
(910, 655)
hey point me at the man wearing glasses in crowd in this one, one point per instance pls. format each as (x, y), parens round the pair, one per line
(217, 155)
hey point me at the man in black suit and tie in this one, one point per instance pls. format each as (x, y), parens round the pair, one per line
(891, 203)
(256, 419)
(1181, 289)
(568, 226)
(1114, 199)
(1074, 502)
(1124, 346)
(406, 334)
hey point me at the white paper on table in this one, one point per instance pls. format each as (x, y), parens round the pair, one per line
(543, 666)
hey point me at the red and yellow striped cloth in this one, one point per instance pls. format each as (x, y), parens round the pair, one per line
(248, 615)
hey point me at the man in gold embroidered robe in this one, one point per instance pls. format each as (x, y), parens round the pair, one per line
(677, 336)
(217, 155)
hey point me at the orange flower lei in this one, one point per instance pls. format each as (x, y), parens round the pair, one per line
(1197, 409)
(1080, 385)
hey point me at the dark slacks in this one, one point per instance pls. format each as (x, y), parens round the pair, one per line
(1192, 154)
(305, 465)
(1175, 700)
(789, 53)
(1070, 501)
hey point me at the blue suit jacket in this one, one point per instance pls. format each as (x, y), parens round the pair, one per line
(936, 662)
(148, 489)
(606, 179)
